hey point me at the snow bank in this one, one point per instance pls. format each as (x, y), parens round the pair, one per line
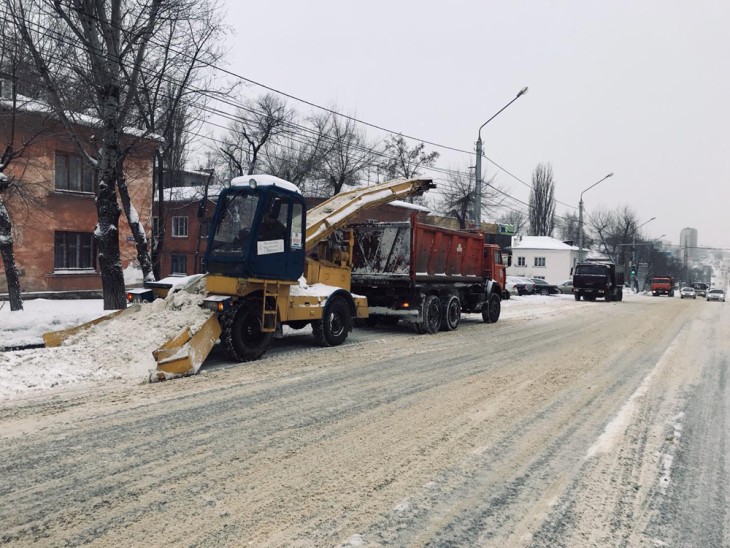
(116, 349)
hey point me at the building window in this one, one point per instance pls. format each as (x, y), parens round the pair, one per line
(73, 250)
(204, 229)
(178, 264)
(539, 261)
(521, 261)
(179, 227)
(72, 174)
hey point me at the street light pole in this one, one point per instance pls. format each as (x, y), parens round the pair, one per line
(580, 217)
(477, 214)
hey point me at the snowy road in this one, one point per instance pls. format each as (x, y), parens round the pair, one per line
(606, 425)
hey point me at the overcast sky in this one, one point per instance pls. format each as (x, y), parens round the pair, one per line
(640, 89)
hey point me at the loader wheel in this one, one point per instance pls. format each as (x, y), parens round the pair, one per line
(336, 323)
(244, 339)
(491, 309)
(452, 314)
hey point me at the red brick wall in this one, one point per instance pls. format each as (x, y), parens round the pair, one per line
(36, 220)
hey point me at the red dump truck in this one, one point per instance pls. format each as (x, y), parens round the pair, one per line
(662, 285)
(426, 275)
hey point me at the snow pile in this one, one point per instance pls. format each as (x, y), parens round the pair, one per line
(120, 348)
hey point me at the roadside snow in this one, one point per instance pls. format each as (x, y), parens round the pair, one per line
(122, 349)
(117, 349)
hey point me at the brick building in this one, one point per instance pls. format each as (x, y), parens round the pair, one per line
(54, 213)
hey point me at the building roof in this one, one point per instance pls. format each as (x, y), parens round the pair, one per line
(542, 242)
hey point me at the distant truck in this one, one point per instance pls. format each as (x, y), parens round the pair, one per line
(701, 289)
(598, 279)
(426, 275)
(662, 285)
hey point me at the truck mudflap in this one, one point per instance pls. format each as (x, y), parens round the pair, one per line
(57, 338)
(185, 353)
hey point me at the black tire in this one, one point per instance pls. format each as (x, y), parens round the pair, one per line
(577, 296)
(452, 314)
(671, 293)
(620, 295)
(609, 297)
(544, 292)
(431, 315)
(298, 324)
(492, 309)
(242, 334)
(335, 325)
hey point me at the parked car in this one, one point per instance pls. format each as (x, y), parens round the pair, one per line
(510, 287)
(544, 288)
(566, 286)
(716, 295)
(687, 292)
(523, 285)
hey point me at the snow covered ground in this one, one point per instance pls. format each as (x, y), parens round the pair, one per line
(122, 349)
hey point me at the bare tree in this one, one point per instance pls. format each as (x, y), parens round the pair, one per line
(542, 201)
(258, 122)
(107, 53)
(402, 161)
(297, 158)
(568, 227)
(614, 229)
(347, 156)
(457, 195)
(174, 90)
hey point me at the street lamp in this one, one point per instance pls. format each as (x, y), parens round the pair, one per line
(478, 186)
(580, 217)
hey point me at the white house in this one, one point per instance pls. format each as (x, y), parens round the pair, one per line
(542, 257)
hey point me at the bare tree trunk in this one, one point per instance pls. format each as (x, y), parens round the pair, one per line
(6, 250)
(140, 238)
(107, 206)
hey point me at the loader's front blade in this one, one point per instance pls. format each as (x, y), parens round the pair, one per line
(185, 353)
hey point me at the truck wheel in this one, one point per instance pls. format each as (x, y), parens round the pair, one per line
(431, 315)
(577, 296)
(491, 309)
(620, 295)
(671, 293)
(333, 328)
(609, 297)
(242, 335)
(452, 314)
